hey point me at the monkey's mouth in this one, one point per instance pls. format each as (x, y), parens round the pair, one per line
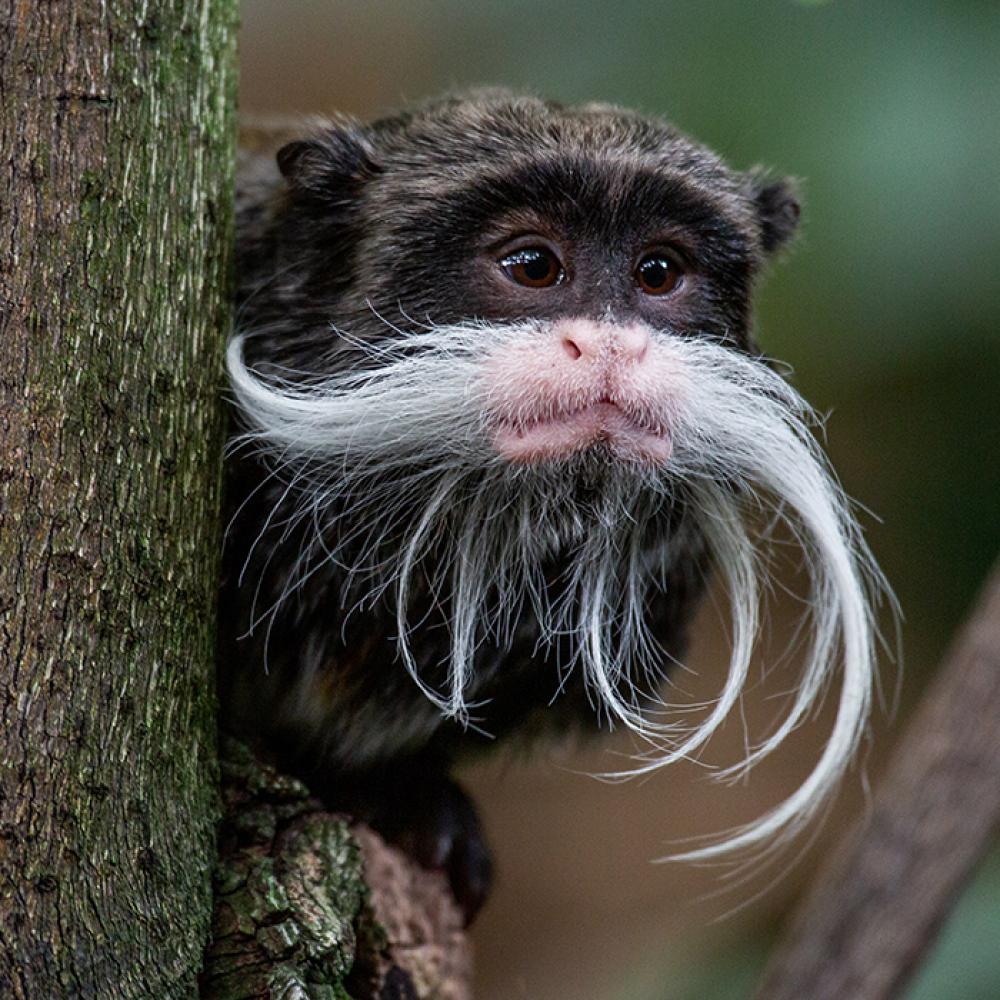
(628, 434)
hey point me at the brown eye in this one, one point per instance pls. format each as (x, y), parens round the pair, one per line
(533, 267)
(658, 273)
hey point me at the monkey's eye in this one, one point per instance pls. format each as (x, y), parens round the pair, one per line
(658, 272)
(533, 267)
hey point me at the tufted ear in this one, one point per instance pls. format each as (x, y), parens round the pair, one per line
(331, 165)
(778, 209)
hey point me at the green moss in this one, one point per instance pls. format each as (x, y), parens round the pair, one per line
(290, 890)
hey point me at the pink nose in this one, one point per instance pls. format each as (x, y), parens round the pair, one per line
(583, 340)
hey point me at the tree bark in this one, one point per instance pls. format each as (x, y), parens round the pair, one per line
(308, 905)
(876, 909)
(115, 193)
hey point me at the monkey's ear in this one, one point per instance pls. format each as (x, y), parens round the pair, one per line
(778, 209)
(333, 163)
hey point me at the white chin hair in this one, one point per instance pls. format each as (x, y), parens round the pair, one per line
(400, 438)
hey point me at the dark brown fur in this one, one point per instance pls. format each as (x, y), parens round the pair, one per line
(359, 225)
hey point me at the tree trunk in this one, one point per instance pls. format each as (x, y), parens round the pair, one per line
(118, 148)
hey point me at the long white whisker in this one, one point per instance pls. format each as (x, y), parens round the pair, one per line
(391, 461)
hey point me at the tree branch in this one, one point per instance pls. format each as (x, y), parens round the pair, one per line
(877, 906)
(309, 906)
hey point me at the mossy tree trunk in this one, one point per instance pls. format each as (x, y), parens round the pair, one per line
(117, 142)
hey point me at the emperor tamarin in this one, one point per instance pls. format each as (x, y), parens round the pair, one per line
(501, 413)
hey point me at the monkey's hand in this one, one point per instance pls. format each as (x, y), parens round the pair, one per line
(419, 808)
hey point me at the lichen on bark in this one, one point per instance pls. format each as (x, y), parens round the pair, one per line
(309, 906)
(289, 890)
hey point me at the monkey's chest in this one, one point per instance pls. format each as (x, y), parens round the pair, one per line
(346, 683)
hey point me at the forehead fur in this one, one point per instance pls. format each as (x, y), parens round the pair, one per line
(426, 154)
(362, 220)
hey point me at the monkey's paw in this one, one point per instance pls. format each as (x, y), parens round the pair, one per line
(422, 811)
(435, 822)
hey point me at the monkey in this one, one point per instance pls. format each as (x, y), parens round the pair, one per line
(501, 414)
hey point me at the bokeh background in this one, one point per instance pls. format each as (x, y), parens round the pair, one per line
(887, 310)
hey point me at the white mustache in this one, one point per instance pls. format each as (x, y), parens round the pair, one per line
(400, 441)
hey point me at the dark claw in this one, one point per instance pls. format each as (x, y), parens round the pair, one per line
(397, 986)
(437, 825)
(424, 812)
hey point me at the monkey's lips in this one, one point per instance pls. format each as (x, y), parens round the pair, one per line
(602, 423)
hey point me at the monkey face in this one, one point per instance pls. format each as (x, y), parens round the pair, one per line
(603, 229)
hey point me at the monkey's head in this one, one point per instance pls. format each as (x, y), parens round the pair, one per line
(595, 223)
(497, 334)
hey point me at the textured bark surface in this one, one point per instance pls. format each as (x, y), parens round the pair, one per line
(308, 906)
(874, 912)
(115, 221)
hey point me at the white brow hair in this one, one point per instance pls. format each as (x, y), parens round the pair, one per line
(391, 458)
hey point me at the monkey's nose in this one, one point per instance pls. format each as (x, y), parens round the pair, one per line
(586, 340)
(632, 342)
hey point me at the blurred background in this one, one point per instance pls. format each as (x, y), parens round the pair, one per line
(887, 310)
